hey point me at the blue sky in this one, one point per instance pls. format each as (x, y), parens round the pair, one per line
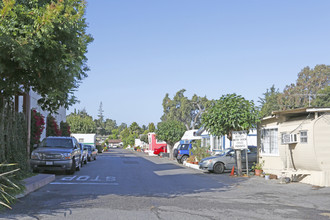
(144, 49)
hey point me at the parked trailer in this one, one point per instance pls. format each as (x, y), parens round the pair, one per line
(89, 139)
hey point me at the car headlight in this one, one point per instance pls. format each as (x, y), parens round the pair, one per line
(35, 156)
(208, 161)
(67, 156)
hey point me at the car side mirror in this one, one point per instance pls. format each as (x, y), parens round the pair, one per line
(35, 146)
(230, 154)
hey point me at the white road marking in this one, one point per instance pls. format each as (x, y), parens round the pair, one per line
(82, 183)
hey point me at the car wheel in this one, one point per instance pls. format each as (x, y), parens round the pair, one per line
(161, 154)
(73, 167)
(184, 158)
(179, 161)
(89, 158)
(79, 166)
(95, 158)
(218, 168)
(85, 161)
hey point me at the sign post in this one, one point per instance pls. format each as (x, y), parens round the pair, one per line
(240, 143)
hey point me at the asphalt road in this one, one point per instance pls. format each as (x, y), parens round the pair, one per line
(127, 185)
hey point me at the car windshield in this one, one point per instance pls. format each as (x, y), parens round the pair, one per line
(88, 147)
(56, 142)
(224, 152)
(184, 146)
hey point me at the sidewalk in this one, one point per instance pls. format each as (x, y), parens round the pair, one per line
(35, 182)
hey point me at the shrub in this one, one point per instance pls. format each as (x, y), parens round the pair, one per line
(65, 129)
(198, 151)
(37, 127)
(52, 128)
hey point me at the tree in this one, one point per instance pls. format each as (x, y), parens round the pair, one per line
(43, 46)
(124, 133)
(183, 109)
(100, 114)
(151, 127)
(144, 138)
(135, 128)
(114, 134)
(303, 92)
(110, 125)
(122, 126)
(231, 113)
(81, 122)
(269, 102)
(100, 125)
(170, 131)
(322, 98)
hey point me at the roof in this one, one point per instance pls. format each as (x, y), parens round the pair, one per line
(301, 110)
(190, 135)
(114, 141)
(296, 111)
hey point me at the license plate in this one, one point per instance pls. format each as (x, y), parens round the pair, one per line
(49, 163)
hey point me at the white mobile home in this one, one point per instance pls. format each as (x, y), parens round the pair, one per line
(85, 138)
(296, 144)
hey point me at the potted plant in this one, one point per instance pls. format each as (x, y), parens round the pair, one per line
(257, 167)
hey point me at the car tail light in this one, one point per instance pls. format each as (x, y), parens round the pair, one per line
(178, 151)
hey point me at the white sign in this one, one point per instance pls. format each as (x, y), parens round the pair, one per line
(239, 140)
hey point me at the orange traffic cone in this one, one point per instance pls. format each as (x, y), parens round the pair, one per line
(232, 171)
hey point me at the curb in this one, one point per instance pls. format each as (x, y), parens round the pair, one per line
(194, 166)
(35, 182)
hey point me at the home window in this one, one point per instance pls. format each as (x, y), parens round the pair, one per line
(303, 137)
(269, 145)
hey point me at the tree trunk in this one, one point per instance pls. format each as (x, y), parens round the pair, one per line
(27, 111)
(170, 147)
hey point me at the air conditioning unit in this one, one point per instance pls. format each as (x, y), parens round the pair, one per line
(290, 138)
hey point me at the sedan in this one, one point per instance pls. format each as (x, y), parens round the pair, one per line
(92, 152)
(226, 160)
(84, 154)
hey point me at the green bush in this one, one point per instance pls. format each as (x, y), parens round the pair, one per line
(13, 150)
(198, 151)
(99, 148)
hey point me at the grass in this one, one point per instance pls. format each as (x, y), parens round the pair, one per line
(10, 184)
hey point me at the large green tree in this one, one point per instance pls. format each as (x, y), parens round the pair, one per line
(81, 122)
(322, 98)
(183, 109)
(269, 102)
(110, 126)
(151, 127)
(135, 128)
(304, 91)
(43, 46)
(170, 131)
(230, 113)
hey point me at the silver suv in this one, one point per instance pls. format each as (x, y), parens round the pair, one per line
(56, 153)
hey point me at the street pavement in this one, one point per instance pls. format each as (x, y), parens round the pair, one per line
(122, 184)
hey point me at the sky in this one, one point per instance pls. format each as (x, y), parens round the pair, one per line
(144, 49)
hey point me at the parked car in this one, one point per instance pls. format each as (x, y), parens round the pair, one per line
(160, 151)
(92, 152)
(183, 152)
(227, 159)
(56, 153)
(84, 154)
